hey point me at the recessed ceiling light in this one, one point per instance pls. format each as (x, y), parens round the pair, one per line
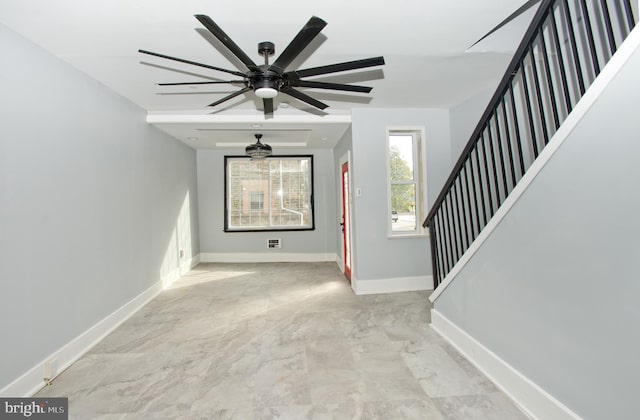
(193, 138)
(256, 125)
(323, 138)
(229, 144)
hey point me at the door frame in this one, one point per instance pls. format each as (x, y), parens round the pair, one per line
(346, 236)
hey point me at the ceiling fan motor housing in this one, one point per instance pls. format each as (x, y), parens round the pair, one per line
(265, 79)
(266, 49)
(258, 150)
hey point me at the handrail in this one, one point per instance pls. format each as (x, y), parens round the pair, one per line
(493, 102)
(562, 51)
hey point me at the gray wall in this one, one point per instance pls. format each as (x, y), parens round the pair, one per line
(90, 196)
(376, 256)
(554, 290)
(213, 239)
(463, 120)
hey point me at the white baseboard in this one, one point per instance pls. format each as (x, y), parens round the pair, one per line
(393, 285)
(193, 262)
(253, 257)
(32, 381)
(531, 399)
(169, 278)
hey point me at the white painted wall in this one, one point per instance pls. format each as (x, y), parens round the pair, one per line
(375, 255)
(215, 243)
(553, 291)
(93, 204)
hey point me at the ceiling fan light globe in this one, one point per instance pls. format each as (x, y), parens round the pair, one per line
(266, 92)
(259, 155)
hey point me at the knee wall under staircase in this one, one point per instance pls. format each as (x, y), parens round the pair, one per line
(541, 295)
(566, 47)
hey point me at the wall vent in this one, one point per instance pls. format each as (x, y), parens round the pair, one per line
(274, 243)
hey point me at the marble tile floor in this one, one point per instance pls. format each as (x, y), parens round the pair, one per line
(277, 341)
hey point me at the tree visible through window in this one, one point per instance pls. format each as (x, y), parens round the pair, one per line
(275, 193)
(404, 181)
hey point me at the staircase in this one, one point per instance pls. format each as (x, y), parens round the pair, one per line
(563, 51)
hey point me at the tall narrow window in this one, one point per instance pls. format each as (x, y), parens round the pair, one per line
(405, 182)
(275, 193)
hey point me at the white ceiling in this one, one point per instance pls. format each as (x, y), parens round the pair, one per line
(425, 44)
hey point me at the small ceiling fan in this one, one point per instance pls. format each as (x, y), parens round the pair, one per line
(267, 80)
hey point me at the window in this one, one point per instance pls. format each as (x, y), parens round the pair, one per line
(405, 182)
(274, 193)
(257, 200)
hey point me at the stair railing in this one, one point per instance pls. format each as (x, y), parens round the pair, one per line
(563, 50)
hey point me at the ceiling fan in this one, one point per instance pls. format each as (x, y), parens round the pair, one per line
(268, 80)
(526, 6)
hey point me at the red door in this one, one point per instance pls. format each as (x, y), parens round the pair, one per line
(346, 218)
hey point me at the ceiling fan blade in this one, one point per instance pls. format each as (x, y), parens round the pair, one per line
(200, 83)
(268, 106)
(333, 86)
(309, 31)
(224, 38)
(509, 18)
(335, 68)
(233, 95)
(303, 97)
(237, 73)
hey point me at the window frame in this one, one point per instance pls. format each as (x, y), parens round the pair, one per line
(419, 180)
(232, 229)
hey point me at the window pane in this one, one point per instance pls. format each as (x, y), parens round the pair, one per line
(403, 205)
(257, 200)
(401, 155)
(273, 193)
(289, 184)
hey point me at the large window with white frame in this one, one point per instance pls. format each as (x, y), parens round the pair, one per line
(275, 193)
(406, 182)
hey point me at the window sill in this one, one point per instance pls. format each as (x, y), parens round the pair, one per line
(409, 235)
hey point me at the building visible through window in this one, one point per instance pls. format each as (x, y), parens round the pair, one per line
(257, 200)
(275, 193)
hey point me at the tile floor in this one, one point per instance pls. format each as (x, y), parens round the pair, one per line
(277, 341)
